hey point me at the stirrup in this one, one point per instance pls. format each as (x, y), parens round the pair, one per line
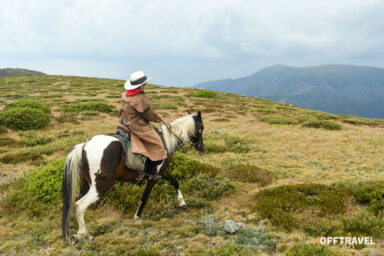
(154, 176)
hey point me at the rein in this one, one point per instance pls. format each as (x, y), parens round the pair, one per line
(178, 137)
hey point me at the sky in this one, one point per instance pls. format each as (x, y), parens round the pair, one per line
(181, 43)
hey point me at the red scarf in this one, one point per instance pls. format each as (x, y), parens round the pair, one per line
(133, 92)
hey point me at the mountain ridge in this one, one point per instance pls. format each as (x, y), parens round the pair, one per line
(9, 72)
(334, 88)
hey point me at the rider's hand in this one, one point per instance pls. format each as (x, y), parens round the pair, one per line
(159, 116)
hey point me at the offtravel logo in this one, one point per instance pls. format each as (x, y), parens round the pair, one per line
(346, 242)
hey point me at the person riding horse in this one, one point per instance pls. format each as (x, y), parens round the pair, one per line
(135, 116)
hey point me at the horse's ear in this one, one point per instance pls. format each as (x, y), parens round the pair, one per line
(199, 115)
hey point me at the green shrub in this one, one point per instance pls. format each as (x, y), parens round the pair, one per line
(322, 124)
(206, 94)
(281, 204)
(24, 118)
(364, 224)
(323, 228)
(39, 190)
(29, 104)
(183, 167)
(90, 106)
(278, 120)
(304, 249)
(255, 239)
(367, 192)
(363, 121)
(209, 188)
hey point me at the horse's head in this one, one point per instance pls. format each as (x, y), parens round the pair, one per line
(197, 138)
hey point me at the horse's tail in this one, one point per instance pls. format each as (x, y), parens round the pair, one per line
(71, 177)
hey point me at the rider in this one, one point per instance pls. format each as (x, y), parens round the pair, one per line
(135, 114)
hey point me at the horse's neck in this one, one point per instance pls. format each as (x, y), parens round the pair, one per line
(173, 141)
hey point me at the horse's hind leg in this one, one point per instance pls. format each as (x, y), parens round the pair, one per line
(81, 206)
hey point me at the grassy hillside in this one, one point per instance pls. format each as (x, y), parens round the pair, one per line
(258, 167)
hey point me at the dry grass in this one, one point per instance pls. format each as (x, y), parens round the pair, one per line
(287, 152)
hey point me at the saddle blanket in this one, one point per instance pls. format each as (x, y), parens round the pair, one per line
(132, 160)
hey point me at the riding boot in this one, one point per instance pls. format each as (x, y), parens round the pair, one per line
(151, 169)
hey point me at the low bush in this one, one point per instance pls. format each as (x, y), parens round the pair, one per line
(364, 224)
(323, 228)
(207, 187)
(38, 191)
(322, 124)
(282, 205)
(367, 192)
(30, 104)
(24, 118)
(305, 249)
(206, 94)
(278, 120)
(90, 106)
(183, 167)
(363, 121)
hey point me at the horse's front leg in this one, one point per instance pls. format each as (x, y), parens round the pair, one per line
(144, 198)
(174, 182)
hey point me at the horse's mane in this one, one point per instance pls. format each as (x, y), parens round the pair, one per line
(183, 127)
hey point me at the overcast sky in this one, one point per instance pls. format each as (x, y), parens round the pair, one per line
(181, 43)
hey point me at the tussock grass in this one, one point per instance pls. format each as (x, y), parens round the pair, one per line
(282, 205)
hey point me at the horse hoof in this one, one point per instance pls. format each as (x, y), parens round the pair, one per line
(138, 221)
(74, 240)
(184, 206)
(90, 238)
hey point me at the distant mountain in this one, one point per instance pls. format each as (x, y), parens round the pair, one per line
(339, 89)
(5, 72)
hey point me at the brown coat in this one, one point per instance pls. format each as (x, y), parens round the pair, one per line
(135, 113)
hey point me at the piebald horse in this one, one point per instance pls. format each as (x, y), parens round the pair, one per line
(97, 164)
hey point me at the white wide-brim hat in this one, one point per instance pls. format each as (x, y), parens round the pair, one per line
(137, 79)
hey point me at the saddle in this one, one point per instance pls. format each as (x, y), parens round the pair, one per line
(132, 160)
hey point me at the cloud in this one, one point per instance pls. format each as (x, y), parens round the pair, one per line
(192, 31)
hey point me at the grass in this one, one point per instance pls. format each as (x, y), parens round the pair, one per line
(251, 146)
(284, 205)
(322, 124)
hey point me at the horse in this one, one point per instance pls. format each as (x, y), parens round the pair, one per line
(97, 164)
